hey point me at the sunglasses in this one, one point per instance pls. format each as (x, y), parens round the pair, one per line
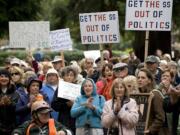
(14, 74)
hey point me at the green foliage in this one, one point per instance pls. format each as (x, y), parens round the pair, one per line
(18, 10)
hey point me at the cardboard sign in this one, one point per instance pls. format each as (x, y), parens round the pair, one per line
(94, 54)
(101, 27)
(29, 34)
(60, 40)
(143, 101)
(68, 90)
(153, 15)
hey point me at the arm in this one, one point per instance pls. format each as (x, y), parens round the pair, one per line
(77, 109)
(129, 113)
(157, 112)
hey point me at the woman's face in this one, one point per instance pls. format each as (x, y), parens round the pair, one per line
(108, 73)
(119, 90)
(4, 80)
(88, 88)
(142, 79)
(129, 87)
(69, 77)
(16, 77)
(34, 88)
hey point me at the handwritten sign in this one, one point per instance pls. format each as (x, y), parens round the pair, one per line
(154, 15)
(144, 103)
(60, 40)
(68, 90)
(101, 27)
(29, 34)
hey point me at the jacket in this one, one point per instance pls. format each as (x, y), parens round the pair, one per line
(175, 110)
(34, 130)
(85, 116)
(7, 112)
(126, 119)
(49, 91)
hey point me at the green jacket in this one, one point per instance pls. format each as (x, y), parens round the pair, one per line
(22, 129)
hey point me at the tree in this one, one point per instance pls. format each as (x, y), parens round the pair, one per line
(18, 10)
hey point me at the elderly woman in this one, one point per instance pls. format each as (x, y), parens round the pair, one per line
(61, 105)
(120, 113)
(130, 82)
(87, 110)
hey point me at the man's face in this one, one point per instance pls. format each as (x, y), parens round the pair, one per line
(52, 79)
(57, 65)
(151, 66)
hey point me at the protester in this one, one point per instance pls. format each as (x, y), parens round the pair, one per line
(157, 115)
(63, 106)
(58, 63)
(17, 76)
(120, 70)
(105, 82)
(41, 122)
(87, 110)
(130, 82)
(8, 100)
(121, 112)
(89, 71)
(152, 63)
(50, 86)
(33, 87)
(172, 105)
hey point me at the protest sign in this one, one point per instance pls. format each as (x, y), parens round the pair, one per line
(60, 40)
(94, 54)
(100, 27)
(153, 15)
(68, 90)
(29, 34)
(143, 101)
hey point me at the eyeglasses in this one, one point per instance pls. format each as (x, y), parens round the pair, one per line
(14, 74)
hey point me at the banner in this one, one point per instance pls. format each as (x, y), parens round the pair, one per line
(68, 90)
(98, 28)
(60, 40)
(29, 34)
(153, 15)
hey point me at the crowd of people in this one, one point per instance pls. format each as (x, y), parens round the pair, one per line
(30, 105)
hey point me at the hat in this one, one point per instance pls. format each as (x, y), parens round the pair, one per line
(124, 57)
(119, 66)
(32, 79)
(23, 63)
(56, 59)
(15, 61)
(52, 71)
(152, 59)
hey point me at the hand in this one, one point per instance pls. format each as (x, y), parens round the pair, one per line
(146, 131)
(70, 103)
(117, 105)
(89, 104)
(61, 132)
(90, 72)
(6, 100)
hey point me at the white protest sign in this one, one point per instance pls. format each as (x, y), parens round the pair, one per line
(29, 34)
(94, 54)
(60, 40)
(100, 27)
(68, 90)
(153, 15)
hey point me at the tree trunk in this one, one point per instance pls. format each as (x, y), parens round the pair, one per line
(157, 40)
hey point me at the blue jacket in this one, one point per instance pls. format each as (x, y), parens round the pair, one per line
(85, 116)
(49, 91)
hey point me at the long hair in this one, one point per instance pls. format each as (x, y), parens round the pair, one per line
(149, 75)
(116, 82)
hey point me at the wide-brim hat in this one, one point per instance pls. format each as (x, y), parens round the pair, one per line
(57, 59)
